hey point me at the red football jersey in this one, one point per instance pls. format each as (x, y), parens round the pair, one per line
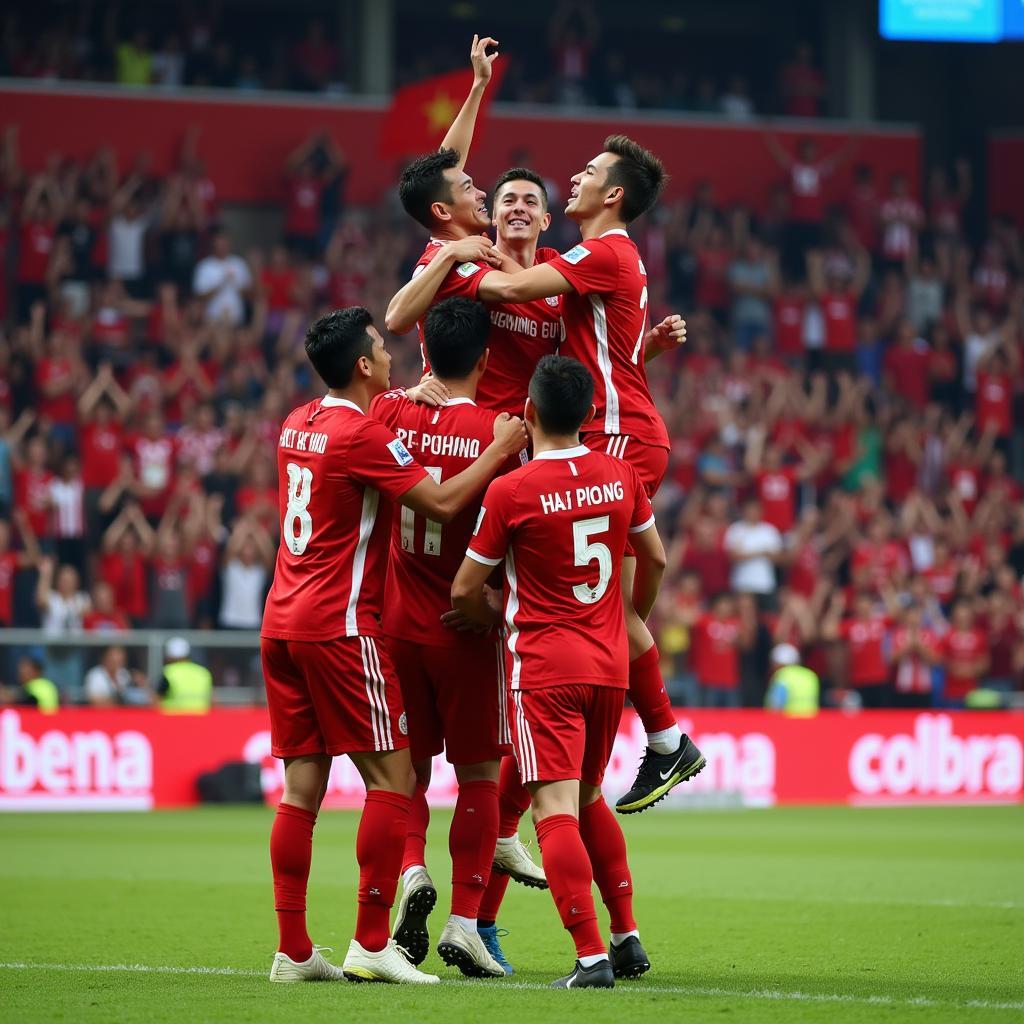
(716, 657)
(425, 556)
(777, 490)
(338, 471)
(866, 640)
(605, 324)
(560, 524)
(840, 312)
(961, 648)
(521, 333)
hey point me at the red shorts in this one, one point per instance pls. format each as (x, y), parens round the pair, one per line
(565, 732)
(336, 696)
(455, 699)
(650, 461)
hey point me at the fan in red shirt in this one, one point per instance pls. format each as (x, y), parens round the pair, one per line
(716, 658)
(905, 367)
(124, 563)
(10, 563)
(838, 297)
(310, 169)
(452, 682)
(914, 651)
(788, 321)
(32, 492)
(604, 283)
(942, 573)
(104, 616)
(331, 686)
(101, 408)
(965, 652)
(59, 377)
(776, 483)
(878, 557)
(994, 396)
(560, 526)
(40, 212)
(902, 218)
(154, 454)
(864, 636)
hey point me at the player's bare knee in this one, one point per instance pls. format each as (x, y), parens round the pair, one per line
(481, 771)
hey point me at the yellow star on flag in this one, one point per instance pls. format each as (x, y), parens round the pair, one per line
(440, 111)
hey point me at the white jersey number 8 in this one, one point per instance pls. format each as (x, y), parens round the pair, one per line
(300, 481)
(586, 552)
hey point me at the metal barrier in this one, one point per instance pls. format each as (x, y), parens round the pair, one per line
(231, 655)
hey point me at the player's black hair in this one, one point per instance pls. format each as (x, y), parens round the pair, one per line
(455, 335)
(523, 174)
(639, 172)
(562, 392)
(423, 183)
(336, 341)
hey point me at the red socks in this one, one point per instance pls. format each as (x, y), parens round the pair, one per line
(380, 843)
(570, 877)
(471, 842)
(513, 802)
(647, 692)
(606, 847)
(416, 839)
(291, 851)
(513, 798)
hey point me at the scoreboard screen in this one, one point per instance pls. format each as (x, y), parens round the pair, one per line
(952, 21)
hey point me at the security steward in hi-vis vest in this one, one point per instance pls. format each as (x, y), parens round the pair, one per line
(793, 689)
(186, 688)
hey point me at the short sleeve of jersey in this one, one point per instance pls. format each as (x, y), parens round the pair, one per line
(463, 280)
(377, 458)
(493, 526)
(643, 512)
(388, 407)
(591, 266)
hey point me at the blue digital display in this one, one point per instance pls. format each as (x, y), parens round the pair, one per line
(960, 21)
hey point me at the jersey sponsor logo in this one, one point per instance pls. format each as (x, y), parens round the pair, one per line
(575, 254)
(400, 452)
(403, 724)
(466, 269)
(479, 520)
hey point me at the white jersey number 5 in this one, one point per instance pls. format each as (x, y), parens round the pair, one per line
(298, 523)
(586, 552)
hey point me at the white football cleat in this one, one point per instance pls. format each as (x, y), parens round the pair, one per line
(285, 970)
(466, 950)
(389, 965)
(410, 931)
(514, 859)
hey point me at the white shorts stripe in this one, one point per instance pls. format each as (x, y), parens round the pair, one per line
(622, 450)
(527, 751)
(504, 733)
(382, 691)
(370, 696)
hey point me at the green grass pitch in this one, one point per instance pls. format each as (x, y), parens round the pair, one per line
(796, 914)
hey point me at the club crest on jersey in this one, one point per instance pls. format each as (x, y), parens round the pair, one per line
(403, 724)
(466, 269)
(400, 452)
(479, 520)
(552, 300)
(575, 254)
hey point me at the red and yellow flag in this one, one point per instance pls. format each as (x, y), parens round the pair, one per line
(420, 114)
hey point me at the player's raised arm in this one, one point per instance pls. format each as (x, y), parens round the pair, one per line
(442, 502)
(539, 282)
(460, 135)
(412, 301)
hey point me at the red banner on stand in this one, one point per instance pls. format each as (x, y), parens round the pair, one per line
(128, 759)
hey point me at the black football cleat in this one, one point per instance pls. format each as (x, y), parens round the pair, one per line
(629, 960)
(658, 774)
(599, 975)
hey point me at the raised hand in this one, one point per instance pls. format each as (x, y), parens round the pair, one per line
(665, 336)
(510, 433)
(482, 60)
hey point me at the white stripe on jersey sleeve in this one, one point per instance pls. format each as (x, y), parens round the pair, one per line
(640, 529)
(482, 559)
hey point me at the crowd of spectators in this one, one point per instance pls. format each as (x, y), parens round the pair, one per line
(848, 437)
(579, 63)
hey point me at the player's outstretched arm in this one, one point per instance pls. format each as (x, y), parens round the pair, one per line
(442, 502)
(468, 595)
(650, 567)
(413, 300)
(460, 135)
(539, 282)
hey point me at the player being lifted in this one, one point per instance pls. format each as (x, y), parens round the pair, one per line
(561, 524)
(604, 285)
(331, 687)
(453, 683)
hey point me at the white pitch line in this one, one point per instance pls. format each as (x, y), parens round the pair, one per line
(772, 995)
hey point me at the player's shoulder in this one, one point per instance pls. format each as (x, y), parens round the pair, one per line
(545, 254)
(432, 248)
